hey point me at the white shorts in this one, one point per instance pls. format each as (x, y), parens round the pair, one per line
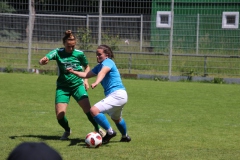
(113, 104)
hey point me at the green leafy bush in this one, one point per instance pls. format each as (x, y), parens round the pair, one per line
(84, 36)
(8, 69)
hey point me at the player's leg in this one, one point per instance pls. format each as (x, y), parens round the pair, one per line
(116, 114)
(102, 120)
(85, 105)
(112, 105)
(62, 119)
(61, 103)
(81, 96)
(122, 127)
(98, 111)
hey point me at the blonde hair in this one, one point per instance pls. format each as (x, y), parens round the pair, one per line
(68, 36)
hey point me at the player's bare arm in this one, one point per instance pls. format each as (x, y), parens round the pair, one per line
(81, 74)
(86, 69)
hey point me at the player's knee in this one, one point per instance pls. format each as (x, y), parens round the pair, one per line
(117, 121)
(94, 111)
(60, 115)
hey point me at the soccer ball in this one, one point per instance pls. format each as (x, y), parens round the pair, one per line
(93, 140)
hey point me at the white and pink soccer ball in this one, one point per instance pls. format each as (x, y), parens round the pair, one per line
(93, 140)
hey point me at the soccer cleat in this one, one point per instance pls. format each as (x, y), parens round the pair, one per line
(65, 135)
(107, 137)
(101, 132)
(125, 139)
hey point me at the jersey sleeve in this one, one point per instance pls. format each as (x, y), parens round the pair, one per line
(107, 63)
(52, 54)
(83, 59)
(97, 68)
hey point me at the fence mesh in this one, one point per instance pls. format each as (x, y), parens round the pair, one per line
(205, 41)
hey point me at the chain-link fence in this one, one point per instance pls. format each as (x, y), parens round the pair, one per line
(170, 38)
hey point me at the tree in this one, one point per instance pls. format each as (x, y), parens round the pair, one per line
(5, 8)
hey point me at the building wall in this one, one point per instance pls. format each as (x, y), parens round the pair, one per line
(192, 19)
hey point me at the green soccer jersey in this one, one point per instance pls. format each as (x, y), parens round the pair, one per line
(76, 60)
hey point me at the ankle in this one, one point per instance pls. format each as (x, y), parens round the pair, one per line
(110, 131)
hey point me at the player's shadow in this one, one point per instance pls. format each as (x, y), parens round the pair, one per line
(74, 141)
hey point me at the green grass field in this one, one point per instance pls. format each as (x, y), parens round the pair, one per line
(166, 120)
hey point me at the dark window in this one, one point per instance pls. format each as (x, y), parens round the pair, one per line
(231, 19)
(164, 19)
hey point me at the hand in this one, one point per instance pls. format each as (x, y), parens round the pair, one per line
(70, 70)
(43, 61)
(86, 85)
(94, 85)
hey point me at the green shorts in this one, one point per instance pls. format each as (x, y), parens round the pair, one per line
(63, 94)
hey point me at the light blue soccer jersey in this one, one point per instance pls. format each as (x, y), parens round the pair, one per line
(112, 81)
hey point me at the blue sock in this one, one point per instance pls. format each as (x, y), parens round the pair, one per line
(101, 119)
(122, 127)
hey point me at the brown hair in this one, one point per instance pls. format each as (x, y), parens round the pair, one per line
(107, 50)
(68, 36)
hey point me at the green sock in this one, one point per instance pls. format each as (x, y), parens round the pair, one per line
(94, 123)
(64, 123)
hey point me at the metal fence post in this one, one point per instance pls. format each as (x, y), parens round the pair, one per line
(100, 23)
(141, 33)
(197, 34)
(205, 66)
(129, 63)
(171, 41)
(30, 35)
(87, 21)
